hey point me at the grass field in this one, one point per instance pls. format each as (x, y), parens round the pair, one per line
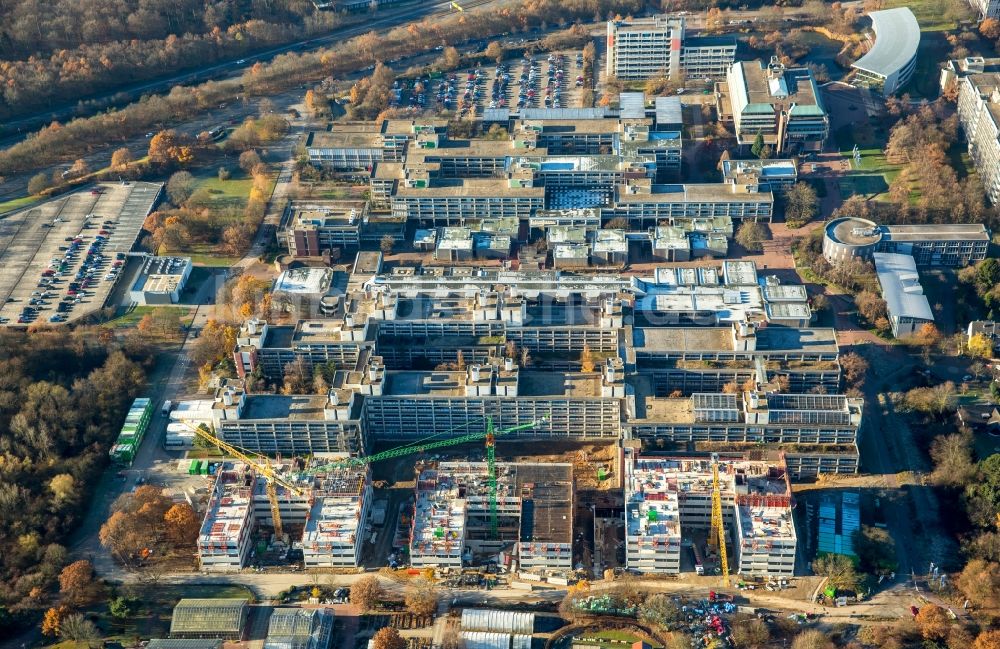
(133, 317)
(18, 203)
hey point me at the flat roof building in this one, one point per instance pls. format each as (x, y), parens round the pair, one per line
(643, 48)
(904, 296)
(782, 105)
(760, 175)
(318, 226)
(889, 64)
(161, 280)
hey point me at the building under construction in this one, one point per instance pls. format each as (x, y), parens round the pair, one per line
(452, 524)
(665, 498)
(327, 515)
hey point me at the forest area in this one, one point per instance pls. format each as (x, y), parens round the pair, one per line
(63, 397)
(65, 50)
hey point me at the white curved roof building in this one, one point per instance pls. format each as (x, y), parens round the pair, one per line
(889, 64)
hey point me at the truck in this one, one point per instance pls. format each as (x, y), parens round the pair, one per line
(167, 405)
(699, 564)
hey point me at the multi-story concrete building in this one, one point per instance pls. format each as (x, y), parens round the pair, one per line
(289, 424)
(450, 203)
(452, 516)
(760, 175)
(645, 205)
(358, 146)
(818, 433)
(643, 48)
(930, 244)
(666, 498)
(986, 8)
(781, 105)
(706, 359)
(318, 226)
(979, 116)
(330, 509)
(889, 64)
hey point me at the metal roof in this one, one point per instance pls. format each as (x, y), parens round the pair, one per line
(297, 628)
(633, 105)
(901, 290)
(897, 36)
(668, 111)
(501, 621)
(222, 615)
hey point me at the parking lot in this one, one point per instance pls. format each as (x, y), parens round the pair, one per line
(60, 260)
(535, 81)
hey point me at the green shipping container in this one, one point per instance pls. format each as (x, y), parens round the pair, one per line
(193, 468)
(203, 468)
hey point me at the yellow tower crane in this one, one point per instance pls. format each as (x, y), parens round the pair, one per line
(261, 465)
(717, 535)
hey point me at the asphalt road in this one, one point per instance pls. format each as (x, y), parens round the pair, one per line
(18, 129)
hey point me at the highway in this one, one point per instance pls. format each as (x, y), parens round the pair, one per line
(17, 130)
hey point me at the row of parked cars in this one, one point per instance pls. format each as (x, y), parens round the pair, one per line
(93, 262)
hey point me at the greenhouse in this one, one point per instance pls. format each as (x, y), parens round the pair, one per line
(498, 621)
(184, 643)
(298, 628)
(210, 618)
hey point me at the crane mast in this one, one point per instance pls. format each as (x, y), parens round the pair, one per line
(717, 534)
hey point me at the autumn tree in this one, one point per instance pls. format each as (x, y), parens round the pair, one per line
(757, 148)
(980, 346)
(751, 235)
(990, 29)
(63, 488)
(979, 581)
(76, 582)
(388, 638)
(494, 51)
(952, 455)
(181, 524)
(989, 639)
(38, 184)
(813, 639)
(168, 147)
(932, 621)
(800, 204)
(249, 159)
(928, 335)
(120, 159)
(661, 610)
(180, 186)
(421, 597)
(586, 359)
(750, 633)
(78, 629)
(366, 592)
(450, 59)
(731, 388)
(838, 569)
(386, 244)
(52, 620)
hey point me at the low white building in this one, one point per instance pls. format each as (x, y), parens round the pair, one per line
(904, 297)
(161, 280)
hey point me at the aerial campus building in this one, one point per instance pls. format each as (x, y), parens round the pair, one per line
(421, 350)
(978, 82)
(889, 64)
(931, 244)
(904, 296)
(330, 511)
(986, 8)
(644, 48)
(161, 280)
(451, 525)
(781, 105)
(665, 498)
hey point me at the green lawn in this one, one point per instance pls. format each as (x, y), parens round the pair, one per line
(18, 203)
(223, 194)
(133, 317)
(929, 13)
